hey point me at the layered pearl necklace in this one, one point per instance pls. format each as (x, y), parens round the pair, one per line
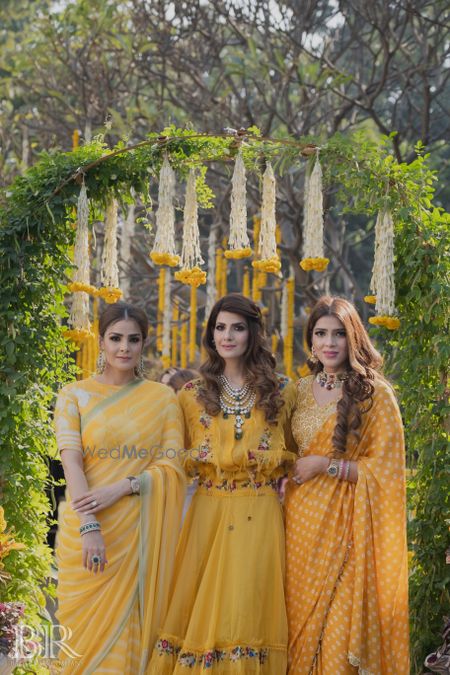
(331, 380)
(237, 401)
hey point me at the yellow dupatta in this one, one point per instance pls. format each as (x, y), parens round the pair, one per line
(335, 527)
(131, 430)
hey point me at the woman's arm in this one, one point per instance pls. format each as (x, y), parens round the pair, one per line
(308, 467)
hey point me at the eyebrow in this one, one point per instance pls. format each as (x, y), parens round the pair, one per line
(122, 334)
(238, 323)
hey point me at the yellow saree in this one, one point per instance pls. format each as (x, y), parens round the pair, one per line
(346, 556)
(110, 619)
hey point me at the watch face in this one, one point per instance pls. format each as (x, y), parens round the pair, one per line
(332, 470)
(135, 486)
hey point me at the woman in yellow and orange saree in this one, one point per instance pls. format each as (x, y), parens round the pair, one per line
(119, 437)
(346, 562)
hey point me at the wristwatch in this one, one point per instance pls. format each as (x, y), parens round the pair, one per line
(135, 485)
(333, 468)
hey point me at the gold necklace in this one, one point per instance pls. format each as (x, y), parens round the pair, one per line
(331, 380)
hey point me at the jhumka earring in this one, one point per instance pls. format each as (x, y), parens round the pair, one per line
(313, 358)
(139, 370)
(101, 363)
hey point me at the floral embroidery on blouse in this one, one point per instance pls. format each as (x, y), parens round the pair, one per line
(228, 485)
(205, 420)
(209, 658)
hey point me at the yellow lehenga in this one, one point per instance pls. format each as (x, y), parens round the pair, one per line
(227, 609)
(346, 555)
(109, 620)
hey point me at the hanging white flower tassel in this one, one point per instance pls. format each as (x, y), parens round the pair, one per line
(167, 321)
(211, 290)
(109, 273)
(128, 229)
(313, 252)
(80, 325)
(163, 252)
(382, 283)
(191, 256)
(267, 247)
(238, 241)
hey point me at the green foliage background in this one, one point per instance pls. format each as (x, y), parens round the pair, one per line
(35, 233)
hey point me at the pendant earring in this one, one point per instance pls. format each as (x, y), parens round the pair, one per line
(313, 358)
(139, 370)
(101, 363)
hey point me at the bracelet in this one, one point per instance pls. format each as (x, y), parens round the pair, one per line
(341, 469)
(347, 473)
(90, 527)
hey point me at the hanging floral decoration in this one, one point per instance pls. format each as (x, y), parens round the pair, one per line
(267, 247)
(238, 242)
(163, 252)
(370, 299)
(166, 323)
(191, 257)
(79, 323)
(211, 283)
(109, 272)
(382, 283)
(313, 252)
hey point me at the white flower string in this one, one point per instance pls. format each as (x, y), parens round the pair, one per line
(238, 241)
(163, 252)
(267, 246)
(313, 250)
(382, 283)
(109, 271)
(211, 290)
(191, 256)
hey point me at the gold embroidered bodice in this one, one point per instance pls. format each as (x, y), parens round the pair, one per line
(308, 415)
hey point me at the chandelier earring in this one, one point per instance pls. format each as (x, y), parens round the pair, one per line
(139, 370)
(101, 363)
(313, 358)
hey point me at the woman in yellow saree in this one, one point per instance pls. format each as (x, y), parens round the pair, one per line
(120, 437)
(346, 563)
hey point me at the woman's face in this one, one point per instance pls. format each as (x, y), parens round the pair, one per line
(122, 345)
(231, 335)
(330, 343)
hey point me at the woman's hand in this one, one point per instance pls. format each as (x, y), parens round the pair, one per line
(96, 500)
(306, 468)
(93, 545)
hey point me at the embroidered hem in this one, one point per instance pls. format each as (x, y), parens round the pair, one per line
(354, 661)
(210, 657)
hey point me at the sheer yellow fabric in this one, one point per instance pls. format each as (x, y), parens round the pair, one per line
(227, 610)
(346, 564)
(136, 430)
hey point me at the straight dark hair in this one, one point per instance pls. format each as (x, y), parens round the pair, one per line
(120, 311)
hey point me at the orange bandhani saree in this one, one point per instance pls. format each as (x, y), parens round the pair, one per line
(346, 566)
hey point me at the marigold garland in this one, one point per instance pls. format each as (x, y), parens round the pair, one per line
(77, 286)
(271, 265)
(317, 264)
(370, 299)
(77, 335)
(165, 259)
(191, 277)
(238, 253)
(390, 322)
(110, 294)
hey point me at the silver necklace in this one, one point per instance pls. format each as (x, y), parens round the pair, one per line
(331, 380)
(237, 401)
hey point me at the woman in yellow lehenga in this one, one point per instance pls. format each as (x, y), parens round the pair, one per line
(346, 564)
(227, 610)
(119, 437)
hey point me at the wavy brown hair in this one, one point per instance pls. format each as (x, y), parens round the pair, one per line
(363, 365)
(259, 362)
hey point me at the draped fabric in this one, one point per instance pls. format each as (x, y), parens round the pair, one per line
(346, 566)
(110, 619)
(227, 610)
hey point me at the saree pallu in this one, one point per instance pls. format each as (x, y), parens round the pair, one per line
(346, 564)
(109, 620)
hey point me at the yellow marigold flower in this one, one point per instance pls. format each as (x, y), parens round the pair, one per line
(390, 322)
(370, 299)
(165, 259)
(317, 264)
(7, 542)
(109, 294)
(191, 277)
(238, 253)
(78, 286)
(271, 265)
(77, 335)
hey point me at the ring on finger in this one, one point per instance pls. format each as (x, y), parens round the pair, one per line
(96, 559)
(297, 480)
(94, 503)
